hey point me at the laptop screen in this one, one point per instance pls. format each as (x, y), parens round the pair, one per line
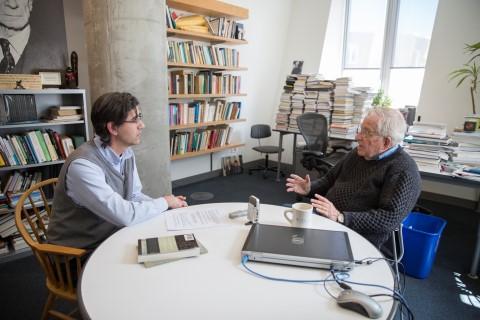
(299, 242)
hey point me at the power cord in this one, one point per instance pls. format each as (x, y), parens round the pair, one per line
(244, 264)
(341, 279)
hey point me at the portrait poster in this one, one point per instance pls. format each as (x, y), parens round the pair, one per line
(297, 67)
(36, 33)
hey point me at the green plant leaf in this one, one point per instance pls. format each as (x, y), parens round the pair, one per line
(461, 80)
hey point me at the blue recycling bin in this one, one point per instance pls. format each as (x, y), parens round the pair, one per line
(421, 236)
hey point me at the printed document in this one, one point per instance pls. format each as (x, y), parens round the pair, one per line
(201, 218)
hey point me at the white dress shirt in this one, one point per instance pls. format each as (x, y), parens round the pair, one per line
(18, 42)
(86, 186)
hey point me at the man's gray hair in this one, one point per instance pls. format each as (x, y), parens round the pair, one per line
(391, 124)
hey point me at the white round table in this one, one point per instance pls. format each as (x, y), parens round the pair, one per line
(215, 285)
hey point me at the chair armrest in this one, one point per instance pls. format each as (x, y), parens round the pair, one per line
(313, 153)
(336, 148)
(56, 249)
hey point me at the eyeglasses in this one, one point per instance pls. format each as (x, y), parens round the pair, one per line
(367, 133)
(136, 119)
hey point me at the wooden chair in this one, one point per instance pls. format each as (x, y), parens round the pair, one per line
(62, 265)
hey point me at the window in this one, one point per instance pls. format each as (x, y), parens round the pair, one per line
(386, 45)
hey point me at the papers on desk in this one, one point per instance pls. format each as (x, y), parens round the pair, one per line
(194, 219)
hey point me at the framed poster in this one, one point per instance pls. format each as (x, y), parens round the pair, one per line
(35, 31)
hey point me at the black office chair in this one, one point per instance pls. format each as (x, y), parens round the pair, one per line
(314, 129)
(260, 131)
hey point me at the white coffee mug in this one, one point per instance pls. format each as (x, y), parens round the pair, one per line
(300, 216)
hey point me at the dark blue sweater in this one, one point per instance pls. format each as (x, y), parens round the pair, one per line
(374, 195)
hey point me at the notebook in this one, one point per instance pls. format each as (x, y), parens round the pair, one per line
(299, 247)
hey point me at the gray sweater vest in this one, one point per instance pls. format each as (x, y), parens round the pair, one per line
(76, 226)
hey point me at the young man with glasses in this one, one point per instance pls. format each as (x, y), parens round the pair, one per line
(374, 187)
(99, 190)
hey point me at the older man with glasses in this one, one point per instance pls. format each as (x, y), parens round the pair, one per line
(374, 187)
(99, 190)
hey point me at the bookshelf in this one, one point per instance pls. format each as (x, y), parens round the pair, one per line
(197, 52)
(18, 131)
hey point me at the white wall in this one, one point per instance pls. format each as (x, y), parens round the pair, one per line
(456, 24)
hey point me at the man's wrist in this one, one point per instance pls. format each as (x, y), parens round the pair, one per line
(341, 218)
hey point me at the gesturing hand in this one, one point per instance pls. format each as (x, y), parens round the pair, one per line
(325, 207)
(176, 201)
(298, 185)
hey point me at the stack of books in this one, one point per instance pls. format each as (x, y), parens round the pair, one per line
(468, 150)
(362, 101)
(65, 113)
(428, 144)
(159, 250)
(342, 116)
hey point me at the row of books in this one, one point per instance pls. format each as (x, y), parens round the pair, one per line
(17, 183)
(199, 140)
(219, 26)
(10, 238)
(203, 82)
(189, 52)
(36, 147)
(202, 111)
(226, 27)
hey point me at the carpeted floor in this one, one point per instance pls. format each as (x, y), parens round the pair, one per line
(446, 294)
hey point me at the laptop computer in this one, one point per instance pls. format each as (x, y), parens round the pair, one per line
(299, 247)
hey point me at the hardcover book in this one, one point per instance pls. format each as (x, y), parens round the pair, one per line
(167, 247)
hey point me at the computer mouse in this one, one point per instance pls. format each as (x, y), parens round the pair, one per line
(360, 302)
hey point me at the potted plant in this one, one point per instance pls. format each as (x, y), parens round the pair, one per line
(381, 100)
(469, 72)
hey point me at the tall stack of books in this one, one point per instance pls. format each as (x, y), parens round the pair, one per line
(284, 110)
(304, 93)
(342, 116)
(319, 96)
(428, 144)
(362, 101)
(298, 97)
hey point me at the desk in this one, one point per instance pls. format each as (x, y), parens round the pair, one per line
(215, 285)
(436, 175)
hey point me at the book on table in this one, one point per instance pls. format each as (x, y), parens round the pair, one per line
(167, 248)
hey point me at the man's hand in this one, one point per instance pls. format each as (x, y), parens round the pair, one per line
(325, 207)
(298, 185)
(176, 201)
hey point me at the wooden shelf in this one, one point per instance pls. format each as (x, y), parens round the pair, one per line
(203, 37)
(202, 96)
(33, 165)
(204, 124)
(204, 66)
(15, 254)
(40, 124)
(204, 152)
(211, 8)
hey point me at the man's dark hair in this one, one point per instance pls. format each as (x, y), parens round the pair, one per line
(112, 106)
